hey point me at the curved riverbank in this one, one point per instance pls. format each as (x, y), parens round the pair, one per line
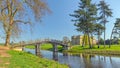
(114, 50)
(21, 59)
(81, 60)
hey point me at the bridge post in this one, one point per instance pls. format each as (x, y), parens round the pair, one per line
(55, 52)
(65, 47)
(37, 50)
(22, 45)
(22, 48)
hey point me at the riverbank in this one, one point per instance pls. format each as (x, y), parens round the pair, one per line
(25, 60)
(114, 50)
(18, 59)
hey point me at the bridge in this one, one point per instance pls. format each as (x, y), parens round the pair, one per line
(38, 43)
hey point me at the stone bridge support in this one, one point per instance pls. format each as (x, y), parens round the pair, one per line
(23, 48)
(65, 47)
(55, 52)
(37, 50)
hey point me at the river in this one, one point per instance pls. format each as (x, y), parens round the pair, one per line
(81, 60)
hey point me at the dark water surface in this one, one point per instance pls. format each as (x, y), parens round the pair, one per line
(81, 60)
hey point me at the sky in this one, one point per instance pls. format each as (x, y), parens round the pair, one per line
(58, 24)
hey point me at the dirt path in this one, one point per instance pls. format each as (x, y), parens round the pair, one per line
(3, 51)
(4, 57)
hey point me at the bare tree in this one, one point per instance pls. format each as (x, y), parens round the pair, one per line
(65, 40)
(15, 12)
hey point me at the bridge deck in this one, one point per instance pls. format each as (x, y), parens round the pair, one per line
(42, 42)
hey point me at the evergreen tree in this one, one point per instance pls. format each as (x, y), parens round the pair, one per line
(98, 31)
(105, 12)
(85, 16)
(115, 30)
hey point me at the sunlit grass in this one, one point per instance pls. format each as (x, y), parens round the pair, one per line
(95, 47)
(25, 60)
(114, 50)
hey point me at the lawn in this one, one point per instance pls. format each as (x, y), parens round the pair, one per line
(95, 47)
(114, 50)
(26, 60)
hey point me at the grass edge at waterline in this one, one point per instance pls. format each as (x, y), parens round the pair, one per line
(114, 50)
(20, 59)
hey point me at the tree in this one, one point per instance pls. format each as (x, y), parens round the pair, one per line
(115, 30)
(66, 40)
(85, 16)
(13, 12)
(105, 12)
(98, 31)
(101, 41)
(85, 39)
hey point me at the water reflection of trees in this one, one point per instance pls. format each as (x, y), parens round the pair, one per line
(96, 61)
(86, 58)
(99, 62)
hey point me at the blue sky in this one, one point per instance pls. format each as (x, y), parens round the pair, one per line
(58, 24)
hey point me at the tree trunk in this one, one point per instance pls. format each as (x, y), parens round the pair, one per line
(7, 41)
(89, 40)
(104, 34)
(98, 41)
(111, 37)
(92, 40)
(8, 33)
(83, 40)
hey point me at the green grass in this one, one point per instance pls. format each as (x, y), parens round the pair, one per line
(45, 47)
(113, 47)
(26, 60)
(114, 50)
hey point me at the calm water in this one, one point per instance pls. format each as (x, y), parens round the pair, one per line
(82, 60)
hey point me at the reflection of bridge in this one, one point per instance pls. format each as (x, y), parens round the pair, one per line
(37, 45)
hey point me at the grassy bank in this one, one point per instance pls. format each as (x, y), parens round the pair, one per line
(114, 50)
(25, 60)
(46, 47)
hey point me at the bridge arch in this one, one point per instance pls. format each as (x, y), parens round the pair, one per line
(54, 43)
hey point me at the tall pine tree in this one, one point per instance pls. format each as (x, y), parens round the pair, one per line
(105, 12)
(84, 17)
